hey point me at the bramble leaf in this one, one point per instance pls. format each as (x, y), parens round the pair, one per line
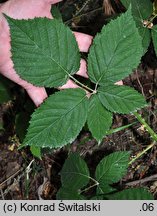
(141, 10)
(59, 120)
(110, 170)
(132, 194)
(74, 176)
(116, 51)
(44, 51)
(99, 119)
(120, 99)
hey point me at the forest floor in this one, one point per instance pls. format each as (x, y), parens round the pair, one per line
(24, 177)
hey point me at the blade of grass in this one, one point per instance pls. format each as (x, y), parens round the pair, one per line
(115, 130)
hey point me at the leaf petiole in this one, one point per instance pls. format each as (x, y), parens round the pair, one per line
(82, 85)
(146, 126)
(150, 131)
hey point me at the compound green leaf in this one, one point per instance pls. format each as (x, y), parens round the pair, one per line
(116, 51)
(141, 10)
(44, 51)
(110, 170)
(59, 120)
(74, 174)
(120, 99)
(132, 194)
(154, 37)
(99, 119)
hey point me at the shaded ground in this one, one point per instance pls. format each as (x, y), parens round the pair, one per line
(41, 179)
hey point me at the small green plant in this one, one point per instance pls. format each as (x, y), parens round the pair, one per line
(46, 53)
(77, 182)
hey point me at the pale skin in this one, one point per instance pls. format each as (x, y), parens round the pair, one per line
(24, 9)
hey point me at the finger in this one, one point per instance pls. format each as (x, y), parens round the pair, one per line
(84, 41)
(82, 72)
(37, 94)
(83, 69)
(71, 84)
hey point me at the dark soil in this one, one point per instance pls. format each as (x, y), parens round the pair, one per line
(41, 180)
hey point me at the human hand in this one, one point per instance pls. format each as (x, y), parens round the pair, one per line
(24, 9)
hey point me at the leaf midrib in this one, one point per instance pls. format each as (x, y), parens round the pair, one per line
(63, 115)
(107, 68)
(110, 167)
(116, 95)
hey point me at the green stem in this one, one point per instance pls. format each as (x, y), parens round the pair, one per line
(152, 18)
(88, 188)
(95, 181)
(84, 5)
(146, 126)
(141, 153)
(81, 15)
(96, 184)
(82, 85)
(151, 132)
